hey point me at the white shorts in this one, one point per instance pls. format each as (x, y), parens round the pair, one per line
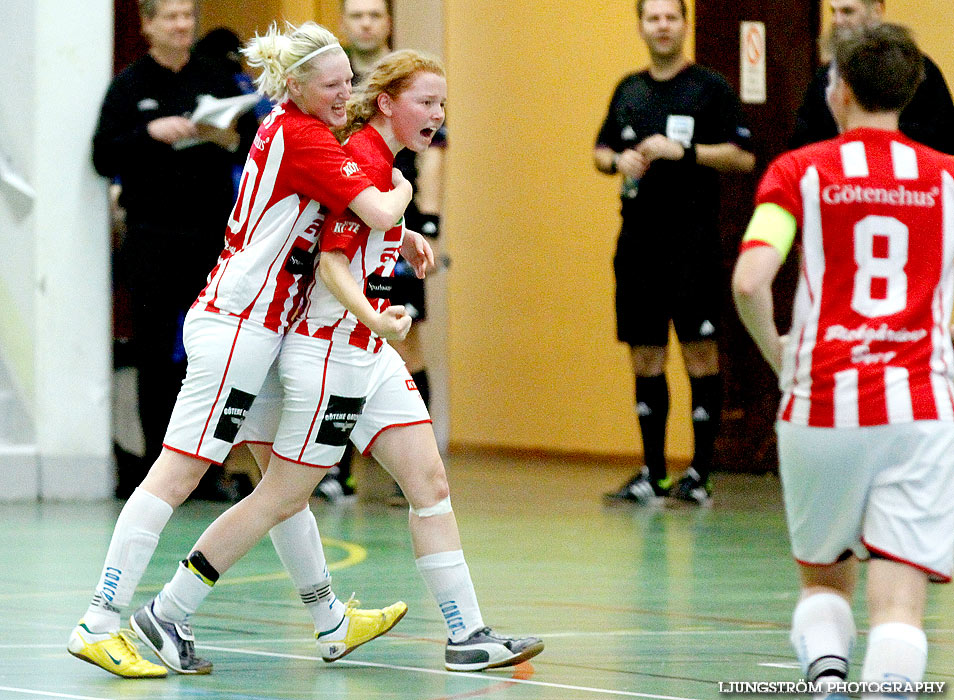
(228, 361)
(334, 395)
(885, 490)
(261, 422)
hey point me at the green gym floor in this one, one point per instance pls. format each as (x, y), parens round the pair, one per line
(641, 603)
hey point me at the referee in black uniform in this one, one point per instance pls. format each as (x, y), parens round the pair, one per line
(669, 131)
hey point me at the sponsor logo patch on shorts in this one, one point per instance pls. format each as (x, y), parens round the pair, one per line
(411, 385)
(340, 417)
(233, 415)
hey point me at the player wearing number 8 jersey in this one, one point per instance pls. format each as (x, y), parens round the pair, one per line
(866, 422)
(867, 344)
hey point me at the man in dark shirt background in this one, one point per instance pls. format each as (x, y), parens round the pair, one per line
(928, 118)
(177, 192)
(669, 131)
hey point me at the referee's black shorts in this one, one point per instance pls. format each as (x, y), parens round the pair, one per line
(658, 282)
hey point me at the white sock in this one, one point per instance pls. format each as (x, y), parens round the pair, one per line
(896, 652)
(135, 537)
(182, 596)
(448, 579)
(823, 633)
(298, 544)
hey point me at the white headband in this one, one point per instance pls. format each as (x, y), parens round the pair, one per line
(304, 59)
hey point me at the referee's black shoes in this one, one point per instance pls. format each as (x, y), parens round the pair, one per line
(640, 490)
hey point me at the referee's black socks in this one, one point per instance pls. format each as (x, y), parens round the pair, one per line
(652, 407)
(706, 418)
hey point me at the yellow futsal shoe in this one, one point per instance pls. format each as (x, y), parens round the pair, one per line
(362, 627)
(113, 651)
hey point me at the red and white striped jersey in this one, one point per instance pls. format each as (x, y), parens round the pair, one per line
(373, 254)
(869, 342)
(295, 174)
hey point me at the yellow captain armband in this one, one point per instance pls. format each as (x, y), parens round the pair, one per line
(771, 225)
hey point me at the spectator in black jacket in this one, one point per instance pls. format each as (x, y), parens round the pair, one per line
(177, 191)
(928, 118)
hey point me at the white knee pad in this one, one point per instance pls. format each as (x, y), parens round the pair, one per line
(439, 508)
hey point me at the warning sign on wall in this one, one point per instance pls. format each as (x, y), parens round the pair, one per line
(752, 43)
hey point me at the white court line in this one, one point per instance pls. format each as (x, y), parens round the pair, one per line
(32, 646)
(554, 635)
(30, 691)
(545, 636)
(456, 674)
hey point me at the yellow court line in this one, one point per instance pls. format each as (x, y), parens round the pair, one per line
(354, 555)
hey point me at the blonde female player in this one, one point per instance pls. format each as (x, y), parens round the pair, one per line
(296, 175)
(342, 380)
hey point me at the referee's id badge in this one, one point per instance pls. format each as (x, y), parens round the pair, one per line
(680, 128)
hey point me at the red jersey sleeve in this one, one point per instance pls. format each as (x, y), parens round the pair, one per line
(320, 169)
(341, 233)
(346, 231)
(780, 186)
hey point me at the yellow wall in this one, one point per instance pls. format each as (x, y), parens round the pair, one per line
(531, 226)
(245, 17)
(933, 25)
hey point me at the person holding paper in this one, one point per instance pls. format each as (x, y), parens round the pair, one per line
(175, 198)
(222, 44)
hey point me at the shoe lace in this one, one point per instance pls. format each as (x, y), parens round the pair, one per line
(127, 640)
(352, 603)
(485, 633)
(185, 626)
